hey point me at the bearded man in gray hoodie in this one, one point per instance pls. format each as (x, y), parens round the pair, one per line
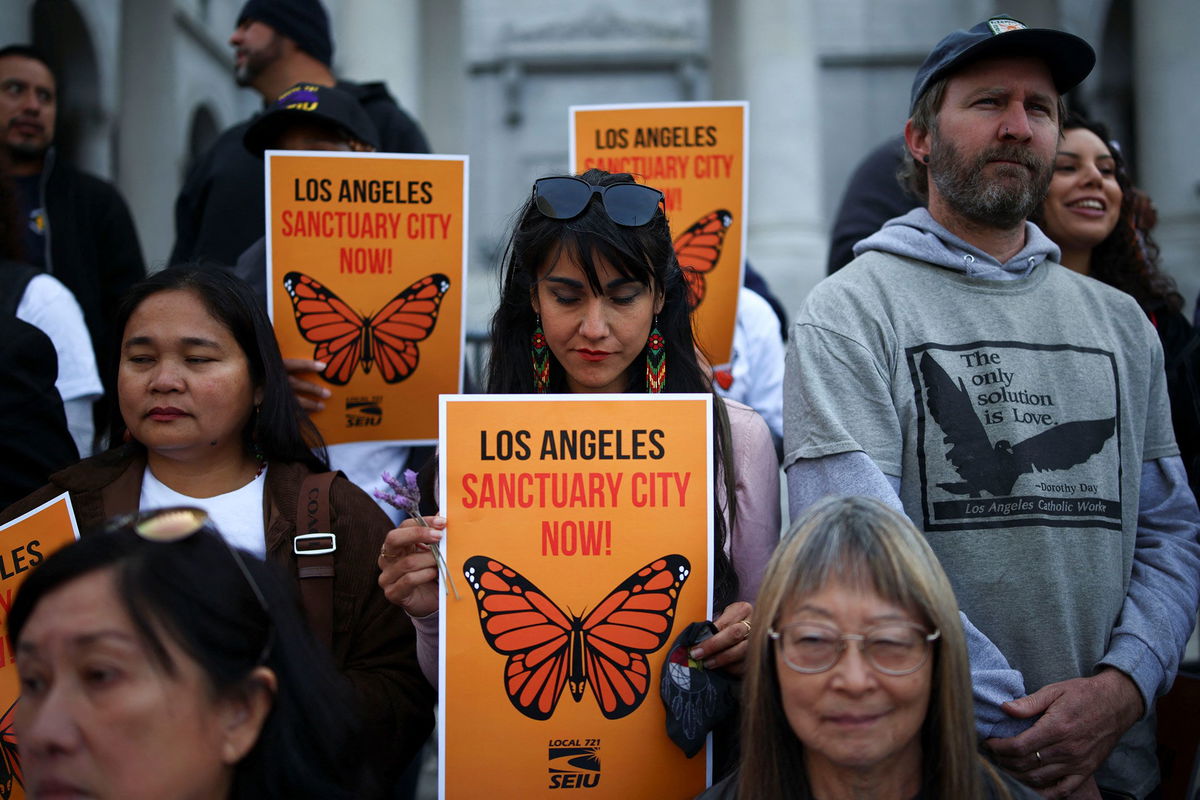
(1017, 413)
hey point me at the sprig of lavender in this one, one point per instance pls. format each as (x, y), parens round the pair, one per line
(405, 496)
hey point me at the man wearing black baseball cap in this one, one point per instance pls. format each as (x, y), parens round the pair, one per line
(277, 44)
(1015, 411)
(308, 116)
(305, 117)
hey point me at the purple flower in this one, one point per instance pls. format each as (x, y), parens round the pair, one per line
(404, 496)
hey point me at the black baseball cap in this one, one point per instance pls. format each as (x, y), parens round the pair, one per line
(313, 103)
(1068, 57)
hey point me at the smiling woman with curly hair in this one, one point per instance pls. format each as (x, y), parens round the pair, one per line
(1090, 213)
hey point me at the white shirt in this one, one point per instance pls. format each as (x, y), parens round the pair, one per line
(50, 307)
(238, 515)
(757, 365)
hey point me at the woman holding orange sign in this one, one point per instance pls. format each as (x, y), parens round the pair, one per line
(594, 301)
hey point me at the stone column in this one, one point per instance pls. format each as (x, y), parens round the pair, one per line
(774, 58)
(376, 41)
(150, 129)
(15, 14)
(1166, 63)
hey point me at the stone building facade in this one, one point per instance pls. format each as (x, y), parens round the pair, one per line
(147, 85)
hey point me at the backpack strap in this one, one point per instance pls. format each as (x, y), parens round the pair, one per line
(13, 281)
(314, 545)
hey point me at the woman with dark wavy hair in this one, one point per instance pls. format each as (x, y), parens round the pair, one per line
(1090, 212)
(594, 300)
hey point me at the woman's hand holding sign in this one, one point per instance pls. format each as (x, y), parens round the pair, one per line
(408, 569)
(727, 648)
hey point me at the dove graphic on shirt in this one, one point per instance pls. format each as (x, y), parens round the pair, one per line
(994, 468)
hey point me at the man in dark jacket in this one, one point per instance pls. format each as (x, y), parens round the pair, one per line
(873, 196)
(76, 227)
(34, 439)
(278, 43)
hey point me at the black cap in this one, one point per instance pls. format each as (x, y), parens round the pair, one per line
(1068, 57)
(312, 103)
(303, 21)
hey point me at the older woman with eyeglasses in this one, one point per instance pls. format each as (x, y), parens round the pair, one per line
(857, 680)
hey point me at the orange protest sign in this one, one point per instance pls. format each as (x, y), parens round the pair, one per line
(579, 535)
(24, 543)
(695, 153)
(366, 272)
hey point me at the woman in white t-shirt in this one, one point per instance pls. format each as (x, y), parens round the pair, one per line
(207, 419)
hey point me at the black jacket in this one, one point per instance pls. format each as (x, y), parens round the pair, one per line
(219, 211)
(873, 196)
(92, 247)
(1181, 359)
(34, 440)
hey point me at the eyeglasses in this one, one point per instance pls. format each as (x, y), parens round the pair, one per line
(169, 525)
(628, 204)
(897, 648)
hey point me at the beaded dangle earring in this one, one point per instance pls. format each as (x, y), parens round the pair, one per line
(540, 352)
(656, 360)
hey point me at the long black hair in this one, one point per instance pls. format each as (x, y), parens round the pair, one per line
(1127, 259)
(644, 254)
(280, 429)
(192, 593)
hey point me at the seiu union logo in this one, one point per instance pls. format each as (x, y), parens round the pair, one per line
(362, 411)
(574, 763)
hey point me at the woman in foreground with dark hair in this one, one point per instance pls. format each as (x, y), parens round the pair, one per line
(857, 682)
(1090, 213)
(594, 300)
(156, 662)
(208, 419)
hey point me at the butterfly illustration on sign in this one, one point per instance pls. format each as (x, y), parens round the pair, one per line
(549, 649)
(345, 339)
(10, 757)
(994, 468)
(699, 249)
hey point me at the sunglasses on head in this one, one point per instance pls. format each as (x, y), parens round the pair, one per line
(168, 525)
(628, 204)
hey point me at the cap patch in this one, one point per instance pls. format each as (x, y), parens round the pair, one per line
(302, 97)
(1001, 25)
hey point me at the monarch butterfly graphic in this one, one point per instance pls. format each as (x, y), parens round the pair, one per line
(344, 338)
(699, 249)
(10, 757)
(548, 649)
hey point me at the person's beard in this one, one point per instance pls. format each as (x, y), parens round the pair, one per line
(1003, 200)
(26, 153)
(256, 62)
